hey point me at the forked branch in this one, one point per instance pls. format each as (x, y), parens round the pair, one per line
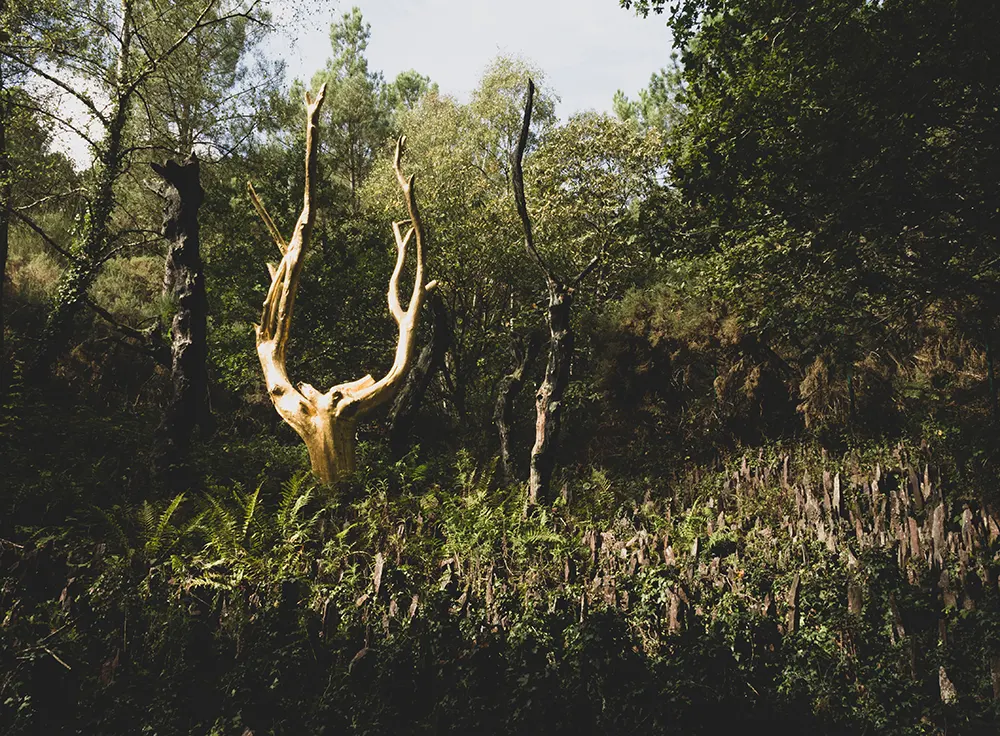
(326, 421)
(383, 390)
(277, 313)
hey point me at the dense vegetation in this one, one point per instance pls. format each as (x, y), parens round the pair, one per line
(775, 501)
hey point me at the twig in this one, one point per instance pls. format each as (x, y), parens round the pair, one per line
(56, 658)
(43, 200)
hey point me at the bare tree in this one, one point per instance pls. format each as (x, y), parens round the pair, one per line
(548, 399)
(184, 283)
(524, 349)
(326, 422)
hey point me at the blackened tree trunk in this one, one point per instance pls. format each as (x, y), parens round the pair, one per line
(411, 395)
(548, 399)
(184, 284)
(525, 350)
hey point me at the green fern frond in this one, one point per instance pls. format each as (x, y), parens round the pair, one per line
(542, 536)
(147, 519)
(300, 503)
(220, 527)
(291, 489)
(114, 525)
(207, 582)
(295, 496)
(249, 510)
(156, 542)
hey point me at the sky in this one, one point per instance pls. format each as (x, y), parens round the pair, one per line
(587, 49)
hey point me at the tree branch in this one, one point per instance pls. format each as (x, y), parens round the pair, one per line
(85, 99)
(198, 24)
(268, 222)
(155, 349)
(522, 207)
(61, 121)
(393, 293)
(409, 194)
(587, 269)
(154, 63)
(43, 200)
(117, 250)
(43, 235)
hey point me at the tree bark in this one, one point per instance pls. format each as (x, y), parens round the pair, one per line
(410, 398)
(548, 399)
(6, 190)
(525, 349)
(184, 283)
(332, 447)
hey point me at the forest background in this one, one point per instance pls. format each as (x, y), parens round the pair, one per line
(774, 489)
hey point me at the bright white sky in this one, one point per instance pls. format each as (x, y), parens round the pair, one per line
(588, 49)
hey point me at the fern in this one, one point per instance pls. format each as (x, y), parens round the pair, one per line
(219, 525)
(146, 518)
(249, 509)
(113, 523)
(293, 500)
(156, 541)
(543, 536)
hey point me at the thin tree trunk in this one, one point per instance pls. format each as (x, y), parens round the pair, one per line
(6, 190)
(548, 400)
(408, 401)
(184, 283)
(525, 350)
(991, 380)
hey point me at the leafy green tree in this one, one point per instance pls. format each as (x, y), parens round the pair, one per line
(461, 154)
(588, 182)
(659, 104)
(42, 205)
(843, 154)
(215, 93)
(125, 47)
(407, 89)
(19, 132)
(357, 115)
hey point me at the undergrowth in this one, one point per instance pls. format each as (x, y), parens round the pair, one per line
(430, 600)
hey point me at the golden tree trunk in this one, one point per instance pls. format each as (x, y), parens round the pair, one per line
(326, 422)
